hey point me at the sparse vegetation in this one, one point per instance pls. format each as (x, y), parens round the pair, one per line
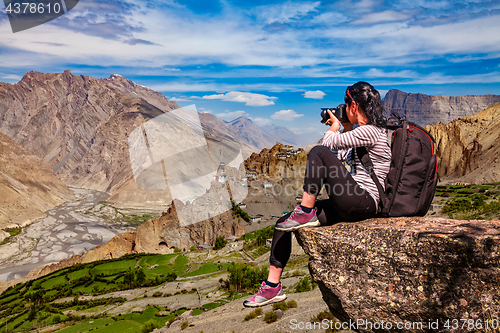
(470, 201)
(306, 284)
(238, 212)
(13, 232)
(270, 317)
(283, 306)
(220, 242)
(325, 315)
(254, 314)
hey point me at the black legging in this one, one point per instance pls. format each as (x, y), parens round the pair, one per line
(348, 201)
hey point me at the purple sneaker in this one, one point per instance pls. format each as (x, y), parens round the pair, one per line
(266, 295)
(298, 219)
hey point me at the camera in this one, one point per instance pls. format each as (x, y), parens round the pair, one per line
(338, 112)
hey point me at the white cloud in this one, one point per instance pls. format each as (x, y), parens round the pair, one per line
(180, 99)
(249, 99)
(184, 87)
(365, 5)
(318, 94)
(330, 18)
(286, 115)
(231, 115)
(286, 12)
(407, 43)
(385, 16)
(378, 73)
(235, 38)
(11, 77)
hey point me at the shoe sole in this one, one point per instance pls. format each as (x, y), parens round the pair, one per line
(308, 224)
(275, 299)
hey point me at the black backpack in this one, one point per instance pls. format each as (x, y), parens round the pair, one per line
(412, 178)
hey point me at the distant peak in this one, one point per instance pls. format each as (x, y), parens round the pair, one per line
(395, 91)
(243, 118)
(239, 120)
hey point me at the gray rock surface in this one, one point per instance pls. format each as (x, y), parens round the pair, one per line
(425, 109)
(400, 270)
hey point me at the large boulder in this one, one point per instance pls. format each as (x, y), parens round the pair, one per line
(407, 270)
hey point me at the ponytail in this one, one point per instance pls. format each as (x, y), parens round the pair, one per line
(368, 98)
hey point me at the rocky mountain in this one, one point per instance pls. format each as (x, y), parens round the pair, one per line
(77, 124)
(283, 135)
(28, 185)
(216, 127)
(161, 235)
(82, 127)
(468, 148)
(425, 109)
(245, 130)
(277, 163)
(133, 90)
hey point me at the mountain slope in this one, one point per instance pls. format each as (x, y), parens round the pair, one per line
(77, 124)
(425, 109)
(28, 186)
(82, 126)
(266, 137)
(468, 148)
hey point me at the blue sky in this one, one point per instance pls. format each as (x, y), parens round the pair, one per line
(272, 61)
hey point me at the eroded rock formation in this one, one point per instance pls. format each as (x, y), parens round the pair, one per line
(161, 235)
(468, 148)
(274, 164)
(425, 109)
(407, 270)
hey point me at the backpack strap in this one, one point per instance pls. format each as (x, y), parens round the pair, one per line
(368, 164)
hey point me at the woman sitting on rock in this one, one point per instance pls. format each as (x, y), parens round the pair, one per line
(353, 196)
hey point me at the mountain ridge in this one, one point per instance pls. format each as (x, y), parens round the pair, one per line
(433, 109)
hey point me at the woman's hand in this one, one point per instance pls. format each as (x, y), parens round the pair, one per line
(333, 122)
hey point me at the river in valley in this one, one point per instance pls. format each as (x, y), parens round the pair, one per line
(66, 231)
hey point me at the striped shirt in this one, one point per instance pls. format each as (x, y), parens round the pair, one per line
(375, 141)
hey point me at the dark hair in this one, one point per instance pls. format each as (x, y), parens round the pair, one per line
(368, 98)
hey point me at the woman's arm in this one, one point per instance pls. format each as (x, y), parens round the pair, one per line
(362, 136)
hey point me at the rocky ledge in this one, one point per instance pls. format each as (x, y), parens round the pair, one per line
(407, 270)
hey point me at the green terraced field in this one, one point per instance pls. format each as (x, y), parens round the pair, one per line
(204, 269)
(113, 267)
